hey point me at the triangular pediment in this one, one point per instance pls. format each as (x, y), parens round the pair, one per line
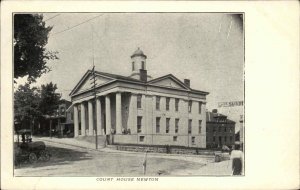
(169, 81)
(86, 82)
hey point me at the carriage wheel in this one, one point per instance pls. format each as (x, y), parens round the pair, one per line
(44, 155)
(32, 158)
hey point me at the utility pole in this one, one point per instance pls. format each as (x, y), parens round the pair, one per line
(93, 83)
(95, 97)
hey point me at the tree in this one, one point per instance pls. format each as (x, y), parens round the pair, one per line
(26, 104)
(32, 103)
(30, 38)
(49, 99)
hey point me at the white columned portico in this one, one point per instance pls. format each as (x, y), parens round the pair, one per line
(118, 113)
(98, 116)
(82, 111)
(91, 118)
(108, 114)
(76, 124)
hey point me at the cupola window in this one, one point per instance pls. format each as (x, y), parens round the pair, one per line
(143, 65)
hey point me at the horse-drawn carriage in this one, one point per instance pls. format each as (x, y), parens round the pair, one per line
(26, 150)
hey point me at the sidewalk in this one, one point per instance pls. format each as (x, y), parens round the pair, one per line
(202, 159)
(210, 169)
(68, 141)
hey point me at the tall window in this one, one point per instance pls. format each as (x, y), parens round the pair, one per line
(231, 139)
(174, 138)
(193, 140)
(143, 65)
(190, 127)
(167, 125)
(167, 103)
(225, 139)
(200, 126)
(62, 110)
(190, 106)
(176, 104)
(72, 116)
(176, 125)
(157, 103)
(139, 124)
(142, 138)
(139, 101)
(157, 124)
(200, 107)
(133, 65)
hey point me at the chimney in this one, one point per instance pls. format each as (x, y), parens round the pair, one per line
(187, 82)
(143, 75)
(215, 111)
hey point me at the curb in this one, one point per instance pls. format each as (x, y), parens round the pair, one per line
(129, 152)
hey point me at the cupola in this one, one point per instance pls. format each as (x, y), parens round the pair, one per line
(138, 65)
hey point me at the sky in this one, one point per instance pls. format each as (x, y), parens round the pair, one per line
(206, 48)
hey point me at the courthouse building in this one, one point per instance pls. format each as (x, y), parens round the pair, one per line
(138, 109)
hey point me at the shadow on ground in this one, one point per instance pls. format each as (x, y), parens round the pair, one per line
(59, 156)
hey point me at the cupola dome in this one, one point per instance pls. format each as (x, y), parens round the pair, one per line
(138, 52)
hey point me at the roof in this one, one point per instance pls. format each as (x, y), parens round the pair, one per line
(53, 116)
(69, 109)
(171, 76)
(138, 52)
(24, 131)
(66, 102)
(67, 123)
(116, 77)
(109, 75)
(214, 117)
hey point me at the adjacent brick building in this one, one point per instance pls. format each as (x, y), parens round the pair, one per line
(140, 110)
(219, 130)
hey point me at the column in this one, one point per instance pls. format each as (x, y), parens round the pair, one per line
(98, 116)
(132, 118)
(91, 118)
(82, 111)
(108, 114)
(76, 125)
(118, 113)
